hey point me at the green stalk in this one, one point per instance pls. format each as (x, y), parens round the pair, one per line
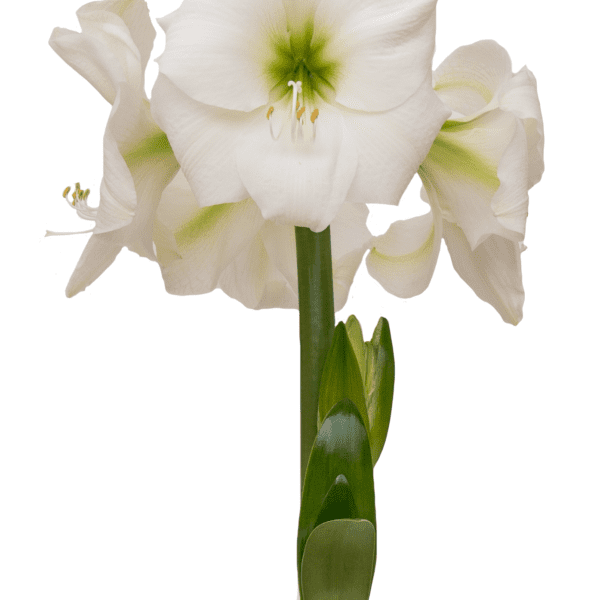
(315, 299)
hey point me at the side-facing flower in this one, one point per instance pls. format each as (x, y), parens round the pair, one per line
(300, 105)
(112, 52)
(232, 247)
(476, 179)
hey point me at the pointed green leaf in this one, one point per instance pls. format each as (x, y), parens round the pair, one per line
(341, 377)
(379, 385)
(338, 503)
(341, 448)
(339, 561)
(355, 335)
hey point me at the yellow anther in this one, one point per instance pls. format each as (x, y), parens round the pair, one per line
(77, 187)
(74, 196)
(300, 112)
(66, 192)
(270, 112)
(86, 194)
(315, 114)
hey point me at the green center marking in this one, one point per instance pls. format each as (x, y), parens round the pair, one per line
(302, 56)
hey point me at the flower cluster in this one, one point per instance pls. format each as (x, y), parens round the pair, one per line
(275, 114)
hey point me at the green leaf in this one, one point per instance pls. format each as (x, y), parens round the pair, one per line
(339, 477)
(341, 377)
(339, 561)
(355, 335)
(379, 385)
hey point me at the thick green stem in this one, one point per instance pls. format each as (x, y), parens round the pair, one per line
(315, 298)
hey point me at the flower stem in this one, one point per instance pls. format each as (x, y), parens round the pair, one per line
(315, 299)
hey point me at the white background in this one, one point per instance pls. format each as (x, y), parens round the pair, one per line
(149, 443)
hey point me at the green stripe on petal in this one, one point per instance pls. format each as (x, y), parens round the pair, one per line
(461, 84)
(152, 147)
(455, 158)
(201, 223)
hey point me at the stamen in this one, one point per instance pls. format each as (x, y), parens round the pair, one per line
(300, 112)
(270, 112)
(80, 205)
(297, 87)
(315, 114)
(79, 202)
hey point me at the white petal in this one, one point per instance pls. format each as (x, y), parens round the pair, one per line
(195, 245)
(110, 29)
(253, 279)
(400, 137)
(204, 140)
(403, 259)
(470, 78)
(218, 52)
(386, 48)
(461, 174)
(280, 244)
(510, 202)
(519, 96)
(135, 16)
(113, 47)
(350, 239)
(151, 176)
(117, 190)
(98, 254)
(90, 58)
(492, 270)
(303, 182)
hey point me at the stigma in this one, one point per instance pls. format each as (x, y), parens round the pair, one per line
(297, 116)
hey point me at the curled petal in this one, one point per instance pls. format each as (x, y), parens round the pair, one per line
(492, 270)
(519, 97)
(402, 137)
(216, 52)
(468, 80)
(403, 259)
(113, 47)
(302, 181)
(386, 48)
(511, 200)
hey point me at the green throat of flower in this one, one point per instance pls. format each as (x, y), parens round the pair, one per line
(302, 56)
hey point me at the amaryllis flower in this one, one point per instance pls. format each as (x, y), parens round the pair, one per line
(227, 246)
(232, 247)
(299, 105)
(111, 52)
(476, 179)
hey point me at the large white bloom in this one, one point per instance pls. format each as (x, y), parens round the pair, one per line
(476, 179)
(300, 105)
(111, 52)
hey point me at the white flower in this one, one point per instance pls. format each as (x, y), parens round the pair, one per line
(476, 179)
(228, 246)
(111, 52)
(231, 246)
(300, 105)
